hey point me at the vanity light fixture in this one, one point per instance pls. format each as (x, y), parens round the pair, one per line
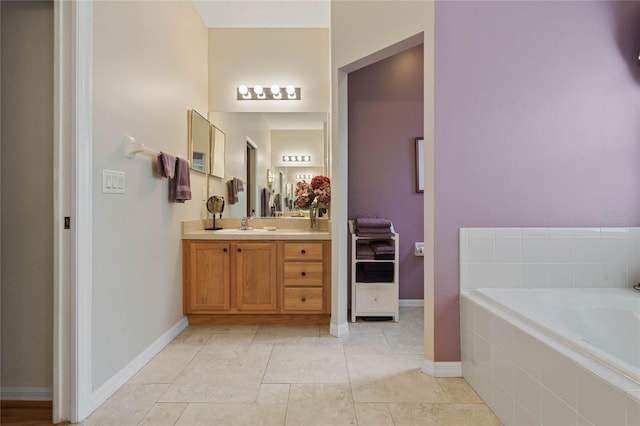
(300, 177)
(268, 93)
(297, 158)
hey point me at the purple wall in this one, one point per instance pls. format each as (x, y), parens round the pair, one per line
(385, 116)
(537, 124)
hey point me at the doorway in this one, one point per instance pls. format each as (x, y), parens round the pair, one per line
(250, 178)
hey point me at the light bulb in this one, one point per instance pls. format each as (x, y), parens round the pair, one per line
(258, 89)
(275, 90)
(285, 158)
(299, 158)
(243, 90)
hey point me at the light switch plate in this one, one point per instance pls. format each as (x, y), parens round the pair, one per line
(113, 182)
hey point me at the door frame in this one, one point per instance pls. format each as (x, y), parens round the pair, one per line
(72, 169)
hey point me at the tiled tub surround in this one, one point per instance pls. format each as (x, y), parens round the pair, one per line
(513, 356)
(549, 257)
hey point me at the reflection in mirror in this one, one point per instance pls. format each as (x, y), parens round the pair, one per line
(270, 181)
(199, 142)
(218, 140)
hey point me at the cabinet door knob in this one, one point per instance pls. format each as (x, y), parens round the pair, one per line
(224, 249)
(304, 274)
(303, 251)
(239, 250)
(303, 299)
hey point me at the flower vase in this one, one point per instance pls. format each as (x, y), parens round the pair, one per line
(313, 216)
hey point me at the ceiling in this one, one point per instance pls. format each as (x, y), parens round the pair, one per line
(264, 13)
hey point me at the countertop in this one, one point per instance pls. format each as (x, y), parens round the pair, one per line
(286, 229)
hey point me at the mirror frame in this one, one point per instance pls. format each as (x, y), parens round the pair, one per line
(217, 149)
(196, 136)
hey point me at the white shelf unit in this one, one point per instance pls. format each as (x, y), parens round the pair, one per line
(373, 299)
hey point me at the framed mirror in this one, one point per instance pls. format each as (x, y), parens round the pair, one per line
(199, 135)
(218, 140)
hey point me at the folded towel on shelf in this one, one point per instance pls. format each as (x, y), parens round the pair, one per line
(376, 235)
(370, 222)
(364, 251)
(233, 187)
(382, 247)
(385, 256)
(374, 272)
(166, 166)
(180, 185)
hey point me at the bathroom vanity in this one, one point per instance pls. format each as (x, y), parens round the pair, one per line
(257, 276)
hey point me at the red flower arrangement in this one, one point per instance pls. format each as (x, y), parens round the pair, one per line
(319, 189)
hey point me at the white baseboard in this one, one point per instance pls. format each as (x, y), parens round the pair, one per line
(101, 394)
(411, 302)
(26, 394)
(339, 330)
(442, 369)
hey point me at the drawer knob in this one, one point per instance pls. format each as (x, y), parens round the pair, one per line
(303, 299)
(304, 274)
(239, 250)
(224, 249)
(303, 251)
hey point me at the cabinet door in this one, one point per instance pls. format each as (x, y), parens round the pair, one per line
(256, 278)
(207, 278)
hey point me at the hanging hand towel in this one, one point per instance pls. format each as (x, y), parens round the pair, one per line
(180, 185)
(166, 166)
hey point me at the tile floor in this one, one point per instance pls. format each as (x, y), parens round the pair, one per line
(294, 375)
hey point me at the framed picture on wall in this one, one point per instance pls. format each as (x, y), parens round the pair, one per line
(419, 164)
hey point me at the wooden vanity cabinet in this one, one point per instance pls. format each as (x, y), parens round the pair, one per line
(256, 281)
(304, 277)
(206, 277)
(256, 276)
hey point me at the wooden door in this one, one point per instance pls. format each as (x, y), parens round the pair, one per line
(256, 276)
(207, 277)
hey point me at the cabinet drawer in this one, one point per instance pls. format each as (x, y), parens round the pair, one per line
(303, 251)
(375, 299)
(303, 299)
(303, 274)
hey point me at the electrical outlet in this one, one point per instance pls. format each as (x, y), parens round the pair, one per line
(418, 248)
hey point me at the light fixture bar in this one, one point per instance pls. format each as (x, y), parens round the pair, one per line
(296, 158)
(268, 93)
(299, 177)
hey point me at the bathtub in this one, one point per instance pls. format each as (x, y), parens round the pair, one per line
(554, 356)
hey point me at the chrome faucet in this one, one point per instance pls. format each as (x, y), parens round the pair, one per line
(244, 223)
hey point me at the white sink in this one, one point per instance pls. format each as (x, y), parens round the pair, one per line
(241, 231)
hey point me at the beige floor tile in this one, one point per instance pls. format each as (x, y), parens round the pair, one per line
(443, 414)
(283, 334)
(220, 378)
(127, 406)
(367, 343)
(458, 390)
(227, 344)
(194, 335)
(405, 343)
(320, 404)
(163, 414)
(373, 414)
(167, 365)
(273, 393)
(233, 414)
(306, 363)
(391, 378)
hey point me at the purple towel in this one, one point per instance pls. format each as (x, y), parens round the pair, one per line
(233, 187)
(376, 235)
(370, 222)
(363, 251)
(180, 185)
(166, 166)
(382, 247)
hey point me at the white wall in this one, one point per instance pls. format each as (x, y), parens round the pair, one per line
(237, 127)
(250, 56)
(150, 67)
(27, 199)
(303, 142)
